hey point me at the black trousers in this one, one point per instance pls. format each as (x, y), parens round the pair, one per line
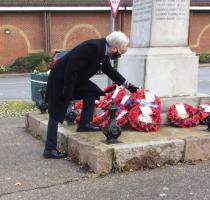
(88, 108)
(86, 117)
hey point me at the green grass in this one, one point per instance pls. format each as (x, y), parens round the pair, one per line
(15, 108)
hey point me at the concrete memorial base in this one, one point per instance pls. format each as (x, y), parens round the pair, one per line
(167, 71)
(135, 150)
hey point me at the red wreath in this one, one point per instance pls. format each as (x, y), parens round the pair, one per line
(121, 93)
(133, 116)
(77, 120)
(97, 103)
(131, 104)
(109, 88)
(191, 120)
(98, 119)
(203, 113)
(122, 119)
(139, 99)
(125, 103)
(104, 123)
(78, 105)
(105, 103)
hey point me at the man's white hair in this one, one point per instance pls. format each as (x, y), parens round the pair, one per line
(117, 39)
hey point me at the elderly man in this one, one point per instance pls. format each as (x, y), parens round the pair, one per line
(69, 80)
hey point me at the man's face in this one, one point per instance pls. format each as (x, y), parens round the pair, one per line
(117, 52)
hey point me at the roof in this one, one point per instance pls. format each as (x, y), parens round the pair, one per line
(200, 2)
(60, 3)
(79, 3)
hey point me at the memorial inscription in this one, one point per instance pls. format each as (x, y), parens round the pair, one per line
(141, 11)
(171, 10)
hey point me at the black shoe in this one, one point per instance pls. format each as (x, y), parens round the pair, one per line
(87, 128)
(54, 154)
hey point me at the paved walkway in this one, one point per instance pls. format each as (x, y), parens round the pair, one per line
(21, 161)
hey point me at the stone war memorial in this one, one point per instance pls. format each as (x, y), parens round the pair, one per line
(160, 60)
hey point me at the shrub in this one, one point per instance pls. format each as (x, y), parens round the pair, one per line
(29, 63)
(3, 69)
(20, 65)
(36, 58)
(42, 67)
(204, 58)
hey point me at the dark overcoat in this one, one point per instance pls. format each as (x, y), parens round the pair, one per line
(69, 77)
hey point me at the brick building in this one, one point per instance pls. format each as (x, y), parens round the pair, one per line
(29, 26)
(199, 33)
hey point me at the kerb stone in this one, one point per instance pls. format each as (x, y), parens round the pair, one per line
(43, 130)
(148, 155)
(197, 148)
(96, 155)
(32, 125)
(63, 135)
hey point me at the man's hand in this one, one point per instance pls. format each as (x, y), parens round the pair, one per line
(132, 88)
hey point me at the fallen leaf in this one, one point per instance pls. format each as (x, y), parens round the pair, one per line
(163, 195)
(18, 184)
(165, 188)
(204, 159)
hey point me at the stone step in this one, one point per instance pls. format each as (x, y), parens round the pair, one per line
(192, 100)
(135, 150)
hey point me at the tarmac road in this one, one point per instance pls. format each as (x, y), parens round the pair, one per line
(204, 80)
(25, 175)
(19, 86)
(15, 87)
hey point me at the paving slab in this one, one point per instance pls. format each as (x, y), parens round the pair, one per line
(134, 150)
(22, 167)
(180, 182)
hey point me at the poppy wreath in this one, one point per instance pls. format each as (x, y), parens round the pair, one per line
(122, 118)
(77, 120)
(125, 103)
(128, 108)
(109, 88)
(109, 91)
(99, 119)
(97, 103)
(120, 121)
(106, 101)
(204, 112)
(139, 98)
(104, 123)
(117, 95)
(78, 104)
(136, 117)
(105, 104)
(190, 120)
